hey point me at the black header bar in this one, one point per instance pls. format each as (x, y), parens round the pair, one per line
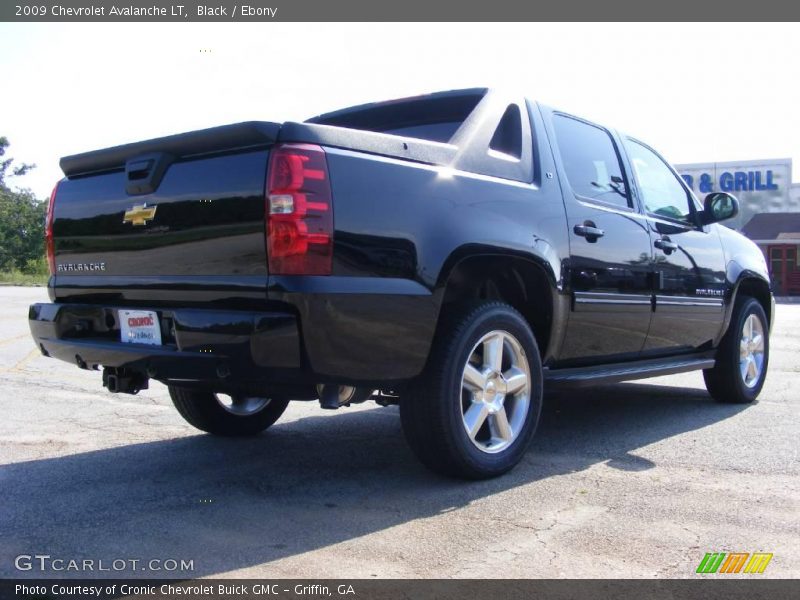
(268, 11)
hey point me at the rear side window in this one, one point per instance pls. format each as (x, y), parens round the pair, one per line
(591, 162)
(507, 137)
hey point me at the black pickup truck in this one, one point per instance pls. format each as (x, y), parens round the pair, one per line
(453, 253)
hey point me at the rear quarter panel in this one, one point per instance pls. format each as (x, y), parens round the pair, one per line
(400, 228)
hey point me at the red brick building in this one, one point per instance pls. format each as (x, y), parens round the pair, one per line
(778, 236)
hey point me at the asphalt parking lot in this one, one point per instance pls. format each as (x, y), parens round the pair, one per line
(630, 480)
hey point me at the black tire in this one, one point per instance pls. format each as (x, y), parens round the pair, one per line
(725, 381)
(432, 411)
(204, 410)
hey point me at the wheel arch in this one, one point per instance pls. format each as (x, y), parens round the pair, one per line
(753, 285)
(527, 283)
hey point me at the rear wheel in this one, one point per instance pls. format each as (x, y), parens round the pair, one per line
(235, 415)
(475, 409)
(742, 357)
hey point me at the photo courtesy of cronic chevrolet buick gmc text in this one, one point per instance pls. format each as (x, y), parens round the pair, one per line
(452, 253)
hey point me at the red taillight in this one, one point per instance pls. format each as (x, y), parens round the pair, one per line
(299, 211)
(48, 233)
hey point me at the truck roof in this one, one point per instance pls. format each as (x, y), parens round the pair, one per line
(478, 130)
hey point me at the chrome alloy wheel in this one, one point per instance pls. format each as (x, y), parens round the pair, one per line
(751, 351)
(242, 406)
(495, 392)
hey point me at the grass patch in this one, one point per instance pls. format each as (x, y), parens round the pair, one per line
(34, 273)
(16, 277)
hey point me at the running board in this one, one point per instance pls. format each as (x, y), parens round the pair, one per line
(613, 373)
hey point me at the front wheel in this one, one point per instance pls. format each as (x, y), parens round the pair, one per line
(474, 410)
(742, 357)
(236, 415)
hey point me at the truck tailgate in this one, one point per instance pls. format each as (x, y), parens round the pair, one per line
(163, 215)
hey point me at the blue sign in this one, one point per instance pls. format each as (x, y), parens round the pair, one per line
(738, 181)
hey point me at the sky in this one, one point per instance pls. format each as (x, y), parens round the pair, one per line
(695, 92)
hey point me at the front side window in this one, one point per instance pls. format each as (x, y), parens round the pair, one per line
(591, 162)
(661, 191)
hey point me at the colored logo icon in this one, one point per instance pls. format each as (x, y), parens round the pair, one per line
(734, 562)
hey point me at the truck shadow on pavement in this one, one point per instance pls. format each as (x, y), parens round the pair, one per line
(229, 504)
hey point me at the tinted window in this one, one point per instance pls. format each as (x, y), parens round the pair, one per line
(507, 137)
(590, 161)
(661, 191)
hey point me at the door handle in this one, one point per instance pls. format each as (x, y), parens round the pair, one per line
(666, 245)
(589, 231)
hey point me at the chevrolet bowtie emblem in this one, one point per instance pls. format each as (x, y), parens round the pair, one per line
(140, 215)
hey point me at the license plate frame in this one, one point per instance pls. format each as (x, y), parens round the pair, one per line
(139, 327)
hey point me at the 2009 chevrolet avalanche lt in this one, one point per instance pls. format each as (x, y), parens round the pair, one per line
(450, 253)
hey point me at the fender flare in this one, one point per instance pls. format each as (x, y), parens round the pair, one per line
(559, 302)
(739, 270)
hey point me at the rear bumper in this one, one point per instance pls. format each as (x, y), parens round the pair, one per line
(198, 345)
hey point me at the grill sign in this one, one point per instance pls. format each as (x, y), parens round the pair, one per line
(139, 327)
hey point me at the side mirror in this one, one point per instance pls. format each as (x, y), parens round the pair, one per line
(719, 206)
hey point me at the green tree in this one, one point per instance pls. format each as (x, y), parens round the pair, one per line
(21, 219)
(7, 164)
